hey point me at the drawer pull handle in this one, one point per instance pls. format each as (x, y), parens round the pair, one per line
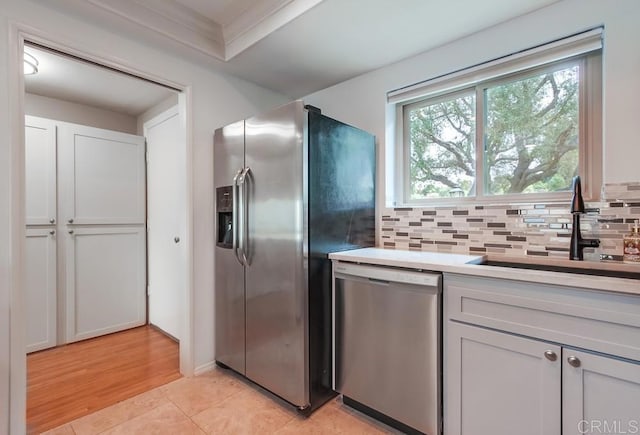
(573, 361)
(550, 355)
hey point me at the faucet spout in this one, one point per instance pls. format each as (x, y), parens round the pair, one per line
(578, 244)
(577, 203)
(577, 207)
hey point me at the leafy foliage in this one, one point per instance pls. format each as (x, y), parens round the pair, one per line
(530, 138)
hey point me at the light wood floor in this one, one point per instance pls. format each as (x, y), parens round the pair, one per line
(74, 380)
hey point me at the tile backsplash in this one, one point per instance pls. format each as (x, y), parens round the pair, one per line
(516, 230)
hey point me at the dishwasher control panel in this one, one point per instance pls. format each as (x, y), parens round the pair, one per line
(379, 273)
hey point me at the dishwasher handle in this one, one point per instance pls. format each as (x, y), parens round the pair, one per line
(379, 281)
(387, 275)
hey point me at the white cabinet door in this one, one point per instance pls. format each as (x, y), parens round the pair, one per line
(105, 280)
(600, 394)
(166, 220)
(102, 173)
(40, 287)
(500, 384)
(40, 171)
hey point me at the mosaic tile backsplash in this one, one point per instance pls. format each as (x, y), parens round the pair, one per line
(515, 230)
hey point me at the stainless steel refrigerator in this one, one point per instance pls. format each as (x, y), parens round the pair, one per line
(291, 185)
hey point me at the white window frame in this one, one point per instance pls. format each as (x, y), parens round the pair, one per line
(584, 48)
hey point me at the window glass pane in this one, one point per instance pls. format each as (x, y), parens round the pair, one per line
(531, 134)
(442, 149)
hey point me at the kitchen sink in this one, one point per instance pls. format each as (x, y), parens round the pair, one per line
(566, 269)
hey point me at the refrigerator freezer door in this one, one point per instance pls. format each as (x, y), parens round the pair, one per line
(342, 161)
(276, 275)
(228, 158)
(342, 178)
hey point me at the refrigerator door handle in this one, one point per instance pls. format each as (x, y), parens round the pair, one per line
(244, 231)
(235, 216)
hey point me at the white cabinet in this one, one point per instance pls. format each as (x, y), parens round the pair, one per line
(40, 247)
(40, 170)
(105, 278)
(88, 186)
(40, 288)
(102, 176)
(599, 394)
(513, 363)
(501, 384)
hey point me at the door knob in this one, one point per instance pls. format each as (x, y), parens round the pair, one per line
(573, 361)
(52, 232)
(176, 239)
(52, 221)
(70, 221)
(550, 355)
(70, 231)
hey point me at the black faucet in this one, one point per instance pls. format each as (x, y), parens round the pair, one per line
(577, 208)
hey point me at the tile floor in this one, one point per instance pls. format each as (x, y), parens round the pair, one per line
(218, 402)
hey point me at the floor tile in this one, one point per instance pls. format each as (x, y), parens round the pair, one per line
(166, 419)
(340, 419)
(304, 426)
(248, 412)
(220, 402)
(65, 429)
(109, 417)
(194, 395)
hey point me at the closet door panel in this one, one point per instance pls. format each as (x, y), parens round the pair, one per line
(40, 289)
(40, 171)
(105, 280)
(103, 175)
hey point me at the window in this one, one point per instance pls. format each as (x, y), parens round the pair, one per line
(519, 135)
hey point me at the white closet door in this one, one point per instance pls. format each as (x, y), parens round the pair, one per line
(103, 176)
(105, 280)
(40, 286)
(166, 174)
(40, 170)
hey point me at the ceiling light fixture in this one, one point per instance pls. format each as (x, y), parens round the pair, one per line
(30, 64)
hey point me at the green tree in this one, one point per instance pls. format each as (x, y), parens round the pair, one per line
(442, 147)
(530, 138)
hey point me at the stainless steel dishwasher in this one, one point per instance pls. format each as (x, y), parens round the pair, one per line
(387, 344)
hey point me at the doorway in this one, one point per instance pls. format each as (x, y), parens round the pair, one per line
(68, 103)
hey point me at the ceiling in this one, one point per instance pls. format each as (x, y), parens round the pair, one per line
(294, 47)
(67, 79)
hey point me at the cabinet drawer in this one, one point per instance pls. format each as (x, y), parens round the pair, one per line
(601, 321)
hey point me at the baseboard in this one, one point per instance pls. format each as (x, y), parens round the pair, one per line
(204, 368)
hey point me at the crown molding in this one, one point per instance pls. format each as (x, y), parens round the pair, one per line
(259, 21)
(189, 28)
(171, 20)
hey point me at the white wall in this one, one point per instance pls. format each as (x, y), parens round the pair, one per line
(362, 100)
(154, 111)
(216, 100)
(61, 110)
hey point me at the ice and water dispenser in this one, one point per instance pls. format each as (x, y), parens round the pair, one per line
(224, 212)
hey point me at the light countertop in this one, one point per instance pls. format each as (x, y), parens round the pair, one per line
(407, 259)
(470, 265)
